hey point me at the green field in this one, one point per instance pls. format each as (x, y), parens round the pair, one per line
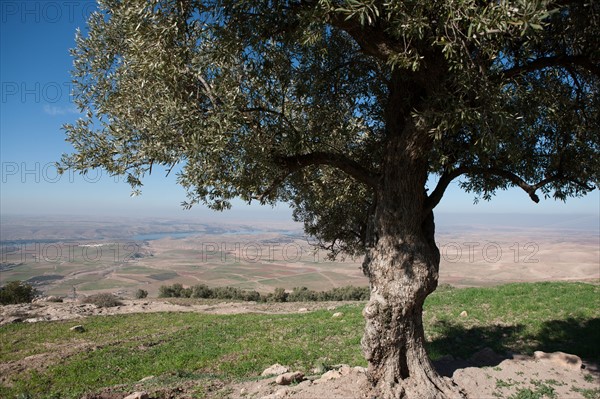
(184, 348)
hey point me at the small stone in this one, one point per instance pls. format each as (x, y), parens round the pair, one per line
(137, 395)
(78, 328)
(337, 314)
(330, 308)
(289, 378)
(146, 378)
(34, 320)
(464, 313)
(276, 369)
(302, 310)
(243, 391)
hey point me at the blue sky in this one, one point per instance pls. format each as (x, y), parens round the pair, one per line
(35, 39)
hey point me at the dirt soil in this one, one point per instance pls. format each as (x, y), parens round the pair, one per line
(485, 375)
(496, 377)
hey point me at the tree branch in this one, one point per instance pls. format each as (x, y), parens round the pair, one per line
(295, 163)
(436, 195)
(448, 176)
(352, 168)
(552, 61)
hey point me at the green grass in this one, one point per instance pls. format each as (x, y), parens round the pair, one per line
(184, 346)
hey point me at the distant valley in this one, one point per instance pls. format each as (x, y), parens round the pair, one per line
(67, 256)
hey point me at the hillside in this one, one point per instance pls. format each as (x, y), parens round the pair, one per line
(196, 355)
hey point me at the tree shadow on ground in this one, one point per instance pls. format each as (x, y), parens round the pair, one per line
(461, 346)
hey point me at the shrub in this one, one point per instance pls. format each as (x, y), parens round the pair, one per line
(252, 296)
(16, 292)
(166, 291)
(103, 300)
(298, 294)
(141, 294)
(177, 290)
(279, 295)
(201, 291)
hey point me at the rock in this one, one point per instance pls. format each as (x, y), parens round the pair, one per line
(464, 313)
(146, 378)
(53, 298)
(279, 394)
(360, 369)
(302, 310)
(328, 376)
(34, 320)
(137, 395)
(560, 358)
(345, 369)
(78, 328)
(276, 369)
(337, 314)
(243, 391)
(289, 378)
(330, 308)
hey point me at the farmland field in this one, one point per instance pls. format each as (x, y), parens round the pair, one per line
(59, 257)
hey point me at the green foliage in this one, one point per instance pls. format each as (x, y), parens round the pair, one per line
(141, 294)
(297, 101)
(103, 300)
(279, 295)
(16, 292)
(588, 393)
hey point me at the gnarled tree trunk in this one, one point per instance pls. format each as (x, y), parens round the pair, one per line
(402, 267)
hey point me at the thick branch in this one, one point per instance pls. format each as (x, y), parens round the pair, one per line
(447, 177)
(436, 196)
(295, 163)
(553, 61)
(345, 164)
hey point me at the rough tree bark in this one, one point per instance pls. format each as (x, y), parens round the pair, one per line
(402, 266)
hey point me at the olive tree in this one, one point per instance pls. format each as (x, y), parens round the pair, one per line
(344, 109)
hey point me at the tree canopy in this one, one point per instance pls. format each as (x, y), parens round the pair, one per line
(343, 108)
(286, 100)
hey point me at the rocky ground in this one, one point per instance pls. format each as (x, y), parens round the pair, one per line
(485, 375)
(68, 310)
